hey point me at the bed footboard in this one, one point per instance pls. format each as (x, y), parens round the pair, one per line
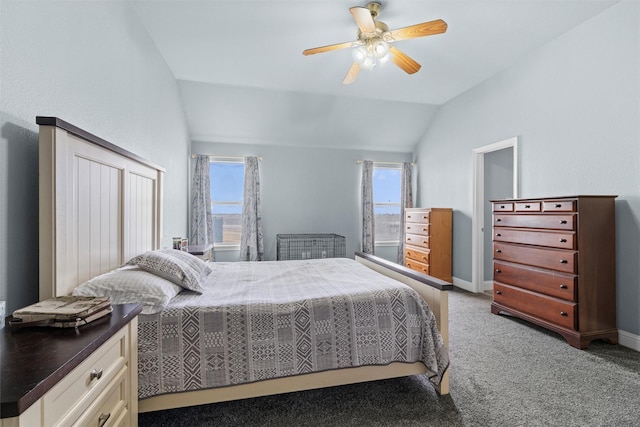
(433, 290)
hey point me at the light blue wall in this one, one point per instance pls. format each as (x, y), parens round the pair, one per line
(575, 105)
(91, 64)
(306, 190)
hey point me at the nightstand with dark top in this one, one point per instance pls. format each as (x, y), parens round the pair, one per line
(64, 376)
(201, 251)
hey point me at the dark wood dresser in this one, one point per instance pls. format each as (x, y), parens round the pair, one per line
(428, 241)
(554, 265)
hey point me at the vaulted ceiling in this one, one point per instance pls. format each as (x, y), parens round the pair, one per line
(243, 59)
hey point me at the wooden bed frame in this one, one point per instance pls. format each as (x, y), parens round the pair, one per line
(100, 205)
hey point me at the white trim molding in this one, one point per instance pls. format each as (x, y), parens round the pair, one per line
(627, 339)
(477, 243)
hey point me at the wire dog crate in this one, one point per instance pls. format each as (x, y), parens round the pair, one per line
(310, 246)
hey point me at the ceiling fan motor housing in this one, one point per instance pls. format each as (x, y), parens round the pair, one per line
(375, 8)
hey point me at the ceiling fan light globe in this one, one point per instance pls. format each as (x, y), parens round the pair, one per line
(359, 54)
(380, 49)
(369, 63)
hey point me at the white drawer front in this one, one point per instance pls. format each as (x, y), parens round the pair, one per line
(108, 408)
(70, 398)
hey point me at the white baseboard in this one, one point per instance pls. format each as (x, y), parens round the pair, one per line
(463, 284)
(627, 339)
(467, 286)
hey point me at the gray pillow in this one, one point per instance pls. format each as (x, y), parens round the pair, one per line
(170, 268)
(193, 261)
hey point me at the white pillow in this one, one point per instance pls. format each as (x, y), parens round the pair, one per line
(131, 285)
(193, 261)
(170, 268)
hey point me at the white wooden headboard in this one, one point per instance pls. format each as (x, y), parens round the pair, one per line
(100, 205)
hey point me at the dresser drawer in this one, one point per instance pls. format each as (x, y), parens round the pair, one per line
(72, 395)
(108, 407)
(503, 207)
(527, 207)
(416, 255)
(552, 283)
(419, 217)
(553, 310)
(417, 240)
(415, 228)
(559, 206)
(417, 266)
(554, 239)
(557, 222)
(554, 259)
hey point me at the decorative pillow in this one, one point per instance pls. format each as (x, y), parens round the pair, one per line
(131, 285)
(170, 268)
(193, 261)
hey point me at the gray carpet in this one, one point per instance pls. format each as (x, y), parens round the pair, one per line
(504, 372)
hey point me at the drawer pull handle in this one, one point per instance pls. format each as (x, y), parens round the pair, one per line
(424, 258)
(499, 251)
(558, 205)
(563, 313)
(563, 240)
(498, 235)
(498, 220)
(563, 221)
(408, 239)
(498, 271)
(564, 261)
(499, 292)
(409, 216)
(501, 206)
(425, 229)
(95, 374)
(563, 287)
(102, 419)
(527, 206)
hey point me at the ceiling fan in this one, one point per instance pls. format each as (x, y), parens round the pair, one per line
(374, 41)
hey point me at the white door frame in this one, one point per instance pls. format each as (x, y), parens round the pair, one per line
(477, 241)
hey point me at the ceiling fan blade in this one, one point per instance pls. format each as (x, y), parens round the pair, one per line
(363, 18)
(419, 30)
(403, 61)
(328, 48)
(352, 74)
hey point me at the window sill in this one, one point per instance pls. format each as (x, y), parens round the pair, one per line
(225, 248)
(390, 243)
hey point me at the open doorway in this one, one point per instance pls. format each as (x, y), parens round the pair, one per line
(495, 176)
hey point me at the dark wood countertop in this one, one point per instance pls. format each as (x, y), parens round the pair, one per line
(35, 359)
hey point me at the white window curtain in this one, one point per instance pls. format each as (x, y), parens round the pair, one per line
(368, 226)
(251, 242)
(201, 216)
(406, 201)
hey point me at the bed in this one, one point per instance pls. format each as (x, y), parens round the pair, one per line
(101, 206)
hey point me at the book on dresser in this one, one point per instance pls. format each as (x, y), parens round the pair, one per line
(62, 312)
(428, 241)
(554, 265)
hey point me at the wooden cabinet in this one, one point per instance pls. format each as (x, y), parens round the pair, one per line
(554, 265)
(428, 241)
(85, 376)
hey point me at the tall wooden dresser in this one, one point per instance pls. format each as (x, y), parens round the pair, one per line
(428, 241)
(554, 265)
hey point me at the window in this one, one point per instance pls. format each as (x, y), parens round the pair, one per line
(386, 203)
(227, 189)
